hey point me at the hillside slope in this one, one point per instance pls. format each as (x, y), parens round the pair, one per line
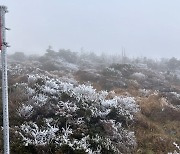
(70, 105)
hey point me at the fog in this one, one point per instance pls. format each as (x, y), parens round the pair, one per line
(144, 28)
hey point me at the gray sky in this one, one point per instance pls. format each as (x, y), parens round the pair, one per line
(144, 27)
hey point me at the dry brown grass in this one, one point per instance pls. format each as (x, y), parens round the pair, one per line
(150, 103)
(173, 129)
(97, 86)
(157, 126)
(130, 91)
(152, 137)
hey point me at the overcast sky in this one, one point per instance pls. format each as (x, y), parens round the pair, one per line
(144, 27)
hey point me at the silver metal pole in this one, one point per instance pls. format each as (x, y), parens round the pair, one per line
(3, 10)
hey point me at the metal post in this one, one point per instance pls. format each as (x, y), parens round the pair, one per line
(3, 10)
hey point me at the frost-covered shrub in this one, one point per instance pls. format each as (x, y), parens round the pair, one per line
(138, 76)
(125, 139)
(125, 69)
(144, 92)
(173, 98)
(32, 134)
(80, 117)
(111, 72)
(25, 111)
(127, 103)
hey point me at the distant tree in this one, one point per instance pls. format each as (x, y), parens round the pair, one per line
(173, 63)
(33, 57)
(103, 58)
(50, 52)
(68, 55)
(18, 56)
(93, 56)
(152, 64)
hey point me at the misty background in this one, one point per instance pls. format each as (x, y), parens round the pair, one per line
(144, 28)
